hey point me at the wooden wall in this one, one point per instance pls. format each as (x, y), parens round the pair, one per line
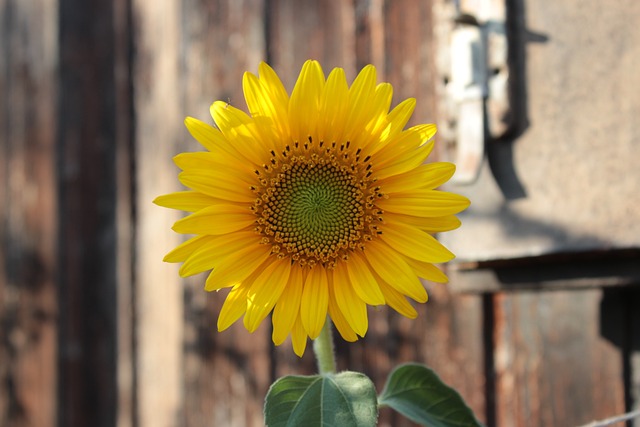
(29, 326)
(96, 331)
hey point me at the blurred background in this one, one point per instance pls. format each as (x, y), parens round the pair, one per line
(537, 102)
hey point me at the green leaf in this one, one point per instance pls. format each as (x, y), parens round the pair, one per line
(347, 399)
(418, 393)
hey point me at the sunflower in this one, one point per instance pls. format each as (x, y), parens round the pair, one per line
(314, 204)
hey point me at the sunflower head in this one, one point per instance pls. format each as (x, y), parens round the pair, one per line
(316, 203)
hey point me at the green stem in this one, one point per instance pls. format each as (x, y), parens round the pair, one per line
(323, 348)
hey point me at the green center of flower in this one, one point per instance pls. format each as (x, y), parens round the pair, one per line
(315, 205)
(316, 209)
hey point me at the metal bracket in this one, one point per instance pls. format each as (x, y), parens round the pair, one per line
(476, 75)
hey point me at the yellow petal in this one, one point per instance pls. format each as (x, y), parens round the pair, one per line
(237, 267)
(288, 306)
(394, 270)
(260, 105)
(360, 94)
(377, 122)
(207, 135)
(274, 89)
(305, 101)
(315, 299)
(351, 306)
(400, 115)
(190, 201)
(197, 159)
(216, 219)
(403, 147)
(234, 306)
(298, 337)
(395, 122)
(429, 224)
(412, 160)
(216, 249)
(427, 271)
(427, 176)
(263, 110)
(428, 203)
(415, 243)
(397, 301)
(217, 142)
(272, 82)
(219, 184)
(182, 251)
(218, 160)
(362, 280)
(239, 128)
(265, 292)
(339, 320)
(334, 103)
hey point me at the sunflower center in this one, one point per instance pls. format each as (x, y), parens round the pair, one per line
(316, 208)
(316, 204)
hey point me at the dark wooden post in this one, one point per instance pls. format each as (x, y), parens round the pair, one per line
(86, 141)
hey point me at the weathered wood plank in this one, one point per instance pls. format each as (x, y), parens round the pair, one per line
(28, 308)
(300, 30)
(158, 290)
(370, 35)
(552, 366)
(409, 55)
(226, 375)
(453, 343)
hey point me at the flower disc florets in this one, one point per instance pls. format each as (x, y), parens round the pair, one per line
(315, 202)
